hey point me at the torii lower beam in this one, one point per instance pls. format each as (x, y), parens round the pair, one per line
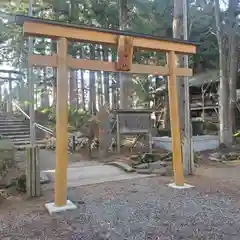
(63, 32)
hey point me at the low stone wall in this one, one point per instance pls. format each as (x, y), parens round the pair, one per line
(7, 156)
(200, 143)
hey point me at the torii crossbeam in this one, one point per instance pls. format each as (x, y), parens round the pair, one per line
(126, 43)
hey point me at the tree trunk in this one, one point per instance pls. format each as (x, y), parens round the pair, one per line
(224, 87)
(54, 81)
(73, 89)
(115, 85)
(106, 77)
(232, 60)
(73, 86)
(116, 92)
(99, 81)
(124, 78)
(44, 93)
(54, 88)
(180, 32)
(77, 88)
(83, 102)
(99, 89)
(92, 83)
(166, 117)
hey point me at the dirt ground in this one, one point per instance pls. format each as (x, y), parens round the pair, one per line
(138, 209)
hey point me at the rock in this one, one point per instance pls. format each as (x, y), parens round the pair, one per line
(197, 158)
(144, 171)
(122, 165)
(142, 166)
(162, 155)
(2, 197)
(44, 178)
(135, 157)
(169, 170)
(147, 158)
(79, 134)
(166, 156)
(159, 164)
(222, 146)
(232, 156)
(161, 171)
(215, 159)
(80, 142)
(135, 163)
(218, 157)
(196, 165)
(129, 142)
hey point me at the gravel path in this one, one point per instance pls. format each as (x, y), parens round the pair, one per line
(132, 209)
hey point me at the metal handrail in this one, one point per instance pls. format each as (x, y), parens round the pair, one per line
(20, 109)
(37, 125)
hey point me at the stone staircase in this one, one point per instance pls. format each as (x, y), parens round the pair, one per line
(17, 131)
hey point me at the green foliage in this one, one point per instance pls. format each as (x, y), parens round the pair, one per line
(149, 17)
(76, 117)
(202, 30)
(142, 86)
(145, 16)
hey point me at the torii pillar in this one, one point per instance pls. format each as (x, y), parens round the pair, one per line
(62, 127)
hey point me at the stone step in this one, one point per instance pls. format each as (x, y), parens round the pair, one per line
(16, 138)
(28, 145)
(27, 141)
(13, 126)
(17, 131)
(14, 129)
(10, 118)
(23, 145)
(10, 122)
(14, 133)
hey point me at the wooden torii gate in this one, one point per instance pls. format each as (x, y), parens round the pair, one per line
(126, 42)
(10, 79)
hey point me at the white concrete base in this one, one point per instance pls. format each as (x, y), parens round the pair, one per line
(173, 185)
(52, 208)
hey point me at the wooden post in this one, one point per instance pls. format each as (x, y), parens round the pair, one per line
(150, 134)
(118, 135)
(61, 125)
(10, 93)
(175, 121)
(33, 172)
(1, 98)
